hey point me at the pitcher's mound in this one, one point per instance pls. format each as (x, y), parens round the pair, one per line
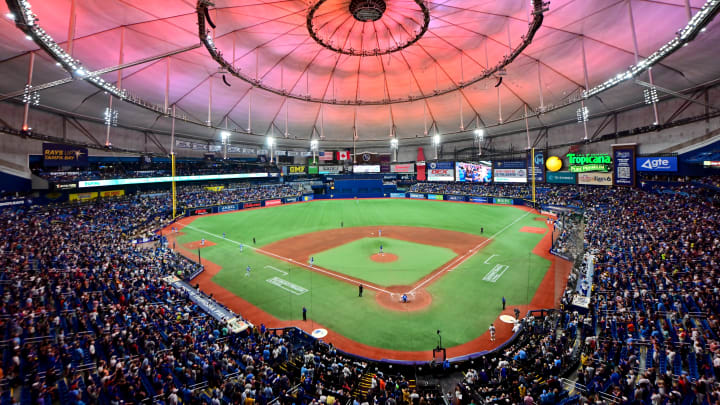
(383, 257)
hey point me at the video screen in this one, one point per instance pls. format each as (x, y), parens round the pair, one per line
(473, 172)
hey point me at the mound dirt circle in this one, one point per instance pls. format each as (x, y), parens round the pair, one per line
(384, 257)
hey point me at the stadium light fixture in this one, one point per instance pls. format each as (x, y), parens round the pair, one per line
(582, 114)
(651, 96)
(270, 141)
(224, 135)
(436, 139)
(394, 143)
(314, 144)
(10, 16)
(479, 133)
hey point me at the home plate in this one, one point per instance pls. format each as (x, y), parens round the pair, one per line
(504, 318)
(319, 333)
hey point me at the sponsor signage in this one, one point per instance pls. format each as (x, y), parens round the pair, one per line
(397, 195)
(167, 179)
(590, 162)
(508, 164)
(313, 170)
(624, 170)
(403, 168)
(296, 169)
(331, 169)
(538, 164)
(434, 196)
(421, 174)
(83, 196)
(506, 201)
(270, 203)
(57, 154)
(290, 199)
(12, 203)
(68, 186)
(366, 169)
(252, 204)
(595, 179)
(440, 171)
(474, 172)
(416, 195)
(112, 193)
(307, 198)
(228, 208)
(456, 198)
(657, 164)
(561, 178)
(201, 211)
(481, 200)
(711, 163)
(510, 175)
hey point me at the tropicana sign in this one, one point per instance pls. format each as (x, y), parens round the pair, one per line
(589, 162)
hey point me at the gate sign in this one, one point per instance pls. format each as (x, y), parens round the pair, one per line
(595, 162)
(656, 164)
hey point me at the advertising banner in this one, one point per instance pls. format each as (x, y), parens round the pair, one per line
(561, 178)
(456, 198)
(313, 170)
(385, 163)
(506, 201)
(509, 164)
(228, 208)
(112, 193)
(440, 171)
(434, 196)
(403, 168)
(199, 211)
(294, 170)
(271, 203)
(397, 195)
(595, 179)
(57, 154)
(474, 172)
(83, 196)
(252, 204)
(366, 169)
(331, 169)
(416, 195)
(624, 171)
(510, 175)
(167, 179)
(307, 198)
(481, 200)
(539, 166)
(591, 162)
(656, 164)
(290, 199)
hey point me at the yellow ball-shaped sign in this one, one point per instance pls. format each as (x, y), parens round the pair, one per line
(553, 163)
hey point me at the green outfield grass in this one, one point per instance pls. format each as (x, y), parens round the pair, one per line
(414, 260)
(465, 300)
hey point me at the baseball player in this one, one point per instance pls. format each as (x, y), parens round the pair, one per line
(202, 242)
(247, 271)
(492, 332)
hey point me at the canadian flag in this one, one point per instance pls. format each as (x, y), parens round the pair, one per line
(343, 155)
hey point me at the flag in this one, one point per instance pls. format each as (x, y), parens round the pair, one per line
(323, 156)
(343, 155)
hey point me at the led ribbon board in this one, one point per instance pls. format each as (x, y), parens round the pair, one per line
(167, 179)
(599, 162)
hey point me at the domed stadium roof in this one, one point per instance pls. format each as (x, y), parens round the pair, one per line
(364, 68)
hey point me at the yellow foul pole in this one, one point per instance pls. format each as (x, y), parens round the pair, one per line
(532, 164)
(174, 195)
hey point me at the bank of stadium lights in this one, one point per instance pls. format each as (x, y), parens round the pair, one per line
(10, 16)
(671, 46)
(394, 143)
(111, 117)
(224, 137)
(31, 97)
(582, 114)
(314, 145)
(651, 96)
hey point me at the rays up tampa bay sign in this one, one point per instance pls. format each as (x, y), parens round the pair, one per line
(597, 162)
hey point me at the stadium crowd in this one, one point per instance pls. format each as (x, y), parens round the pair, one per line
(88, 317)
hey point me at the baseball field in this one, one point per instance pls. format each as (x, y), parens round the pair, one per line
(454, 262)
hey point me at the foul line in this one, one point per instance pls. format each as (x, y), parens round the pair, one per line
(461, 259)
(287, 259)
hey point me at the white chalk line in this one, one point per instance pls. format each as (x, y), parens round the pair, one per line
(488, 259)
(461, 259)
(287, 259)
(276, 269)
